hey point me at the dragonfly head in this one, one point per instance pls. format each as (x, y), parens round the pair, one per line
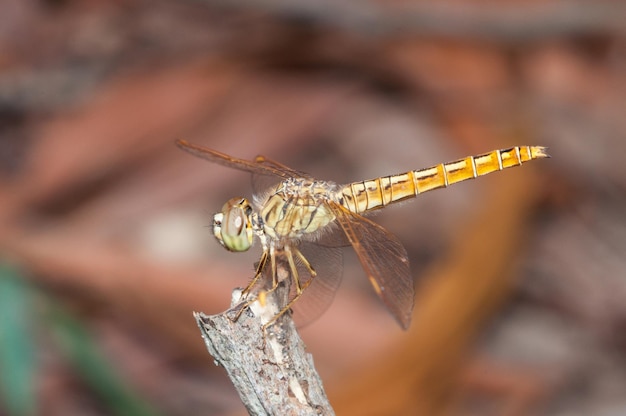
(233, 226)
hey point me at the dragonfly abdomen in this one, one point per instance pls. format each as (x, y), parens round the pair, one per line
(377, 193)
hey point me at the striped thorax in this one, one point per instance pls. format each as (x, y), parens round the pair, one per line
(297, 207)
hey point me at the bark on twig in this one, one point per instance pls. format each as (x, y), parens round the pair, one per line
(272, 372)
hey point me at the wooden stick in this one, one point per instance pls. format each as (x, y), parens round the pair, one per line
(272, 372)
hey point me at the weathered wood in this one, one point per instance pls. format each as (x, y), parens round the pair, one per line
(272, 372)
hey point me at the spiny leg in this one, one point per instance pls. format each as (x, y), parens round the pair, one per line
(306, 263)
(300, 288)
(274, 270)
(271, 253)
(262, 296)
(257, 273)
(255, 279)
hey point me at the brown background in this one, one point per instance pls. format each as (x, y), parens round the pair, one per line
(521, 275)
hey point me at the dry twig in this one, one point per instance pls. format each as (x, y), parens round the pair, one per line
(271, 371)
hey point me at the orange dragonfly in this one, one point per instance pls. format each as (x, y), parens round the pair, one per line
(304, 222)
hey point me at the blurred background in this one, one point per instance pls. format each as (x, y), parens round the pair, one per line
(104, 245)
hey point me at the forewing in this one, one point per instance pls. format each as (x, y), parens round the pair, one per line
(232, 162)
(279, 166)
(263, 182)
(385, 261)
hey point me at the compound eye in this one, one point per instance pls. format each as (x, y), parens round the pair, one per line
(233, 227)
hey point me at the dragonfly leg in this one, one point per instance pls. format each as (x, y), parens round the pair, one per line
(258, 272)
(261, 297)
(300, 288)
(293, 269)
(274, 271)
(306, 263)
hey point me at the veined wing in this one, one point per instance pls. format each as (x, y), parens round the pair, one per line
(279, 166)
(263, 182)
(384, 259)
(256, 167)
(328, 264)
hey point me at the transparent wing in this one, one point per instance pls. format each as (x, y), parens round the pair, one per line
(385, 261)
(256, 167)
(279, 166)
(333, 236)
(266, 173)
(328, 264)
(261, 182)
(317, 297)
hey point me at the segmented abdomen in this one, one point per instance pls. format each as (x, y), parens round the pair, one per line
(376, 193)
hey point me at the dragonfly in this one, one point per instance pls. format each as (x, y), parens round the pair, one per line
(303, 223)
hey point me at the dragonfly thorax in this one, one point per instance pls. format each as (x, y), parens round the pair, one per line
(297, 208)
(232, 227)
